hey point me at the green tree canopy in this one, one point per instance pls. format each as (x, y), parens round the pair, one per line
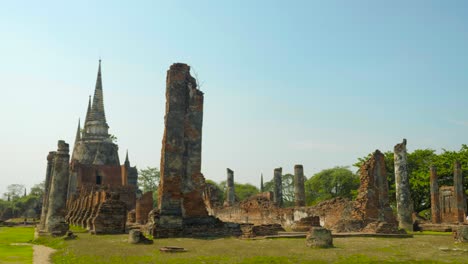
(148, 180)
(330, 183)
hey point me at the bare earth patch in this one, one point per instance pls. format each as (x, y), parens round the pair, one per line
(41, 254)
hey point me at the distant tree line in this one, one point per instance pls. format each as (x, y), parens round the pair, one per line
(16, 203)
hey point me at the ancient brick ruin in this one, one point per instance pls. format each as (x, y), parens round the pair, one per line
(299, 191)
(370, 212)
(403, 195)
(371, 207)
(448, 203)
(230, 192)
(93, 172)
(55, 206)
(182, 210)
(278, 187)
(144, 205)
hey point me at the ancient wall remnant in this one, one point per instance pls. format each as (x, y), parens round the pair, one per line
(230, 193)
(182, 210)
(435, 200)
(45, 199)
(459, 192)
(278, 187)
(299, 191)
(111, 216)
(371, 206)
(403, 195)
(55, 220)
(144, 205)
(448, 204)
(181, 182)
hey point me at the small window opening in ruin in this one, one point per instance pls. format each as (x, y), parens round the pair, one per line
(98, 179)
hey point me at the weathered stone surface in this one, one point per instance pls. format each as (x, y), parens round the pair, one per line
(135, 236)
(403, 195)
(111, 216)
(131, 216)
(448, 205)
(182, 210)
(45, 199)
(460, 199)
(230, 192)
(299, 191)
(181, 182)
(144, 205)
(435, 200)
(319, 237)
(461, 234)
(304, 224)
(212, 197)
(372, 203)
(278, 187)
(55, 220)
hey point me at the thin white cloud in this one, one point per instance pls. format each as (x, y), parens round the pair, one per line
(458, 122)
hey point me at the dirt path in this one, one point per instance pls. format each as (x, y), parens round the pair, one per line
(41, 254)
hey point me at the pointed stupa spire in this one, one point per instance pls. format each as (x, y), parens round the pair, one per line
(78, 132)
(95, 125)
(127, 161)
(97, 109)
(262, 189)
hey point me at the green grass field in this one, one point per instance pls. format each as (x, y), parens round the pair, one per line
(10, 253)
(424, 248)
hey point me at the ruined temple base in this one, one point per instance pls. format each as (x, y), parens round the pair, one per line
(438, 227)
(170, 226)
(461, 234)
(338, 235)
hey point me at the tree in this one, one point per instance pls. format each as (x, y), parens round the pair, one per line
(38, 189)
(244, 191)
(148, 180)
(331, 183)
(14, 191)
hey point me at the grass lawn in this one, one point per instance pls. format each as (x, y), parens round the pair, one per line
(424, 248)
(16, 253)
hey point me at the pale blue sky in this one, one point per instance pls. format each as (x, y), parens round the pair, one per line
(318, 83)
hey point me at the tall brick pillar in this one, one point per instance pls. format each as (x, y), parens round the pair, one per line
(278, 188)
(45, 198)
(435, 202)
(55, 220)
(403, 195)
(459, 192)
(299, 191)
(230, 192)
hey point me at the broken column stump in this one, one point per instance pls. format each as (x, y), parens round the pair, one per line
(55, 220)
(135, 236)
(230, 197)
(319, 237)
(403, 195)
(461, 234)
(435, 202)
(278, 187)
(299, 190)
